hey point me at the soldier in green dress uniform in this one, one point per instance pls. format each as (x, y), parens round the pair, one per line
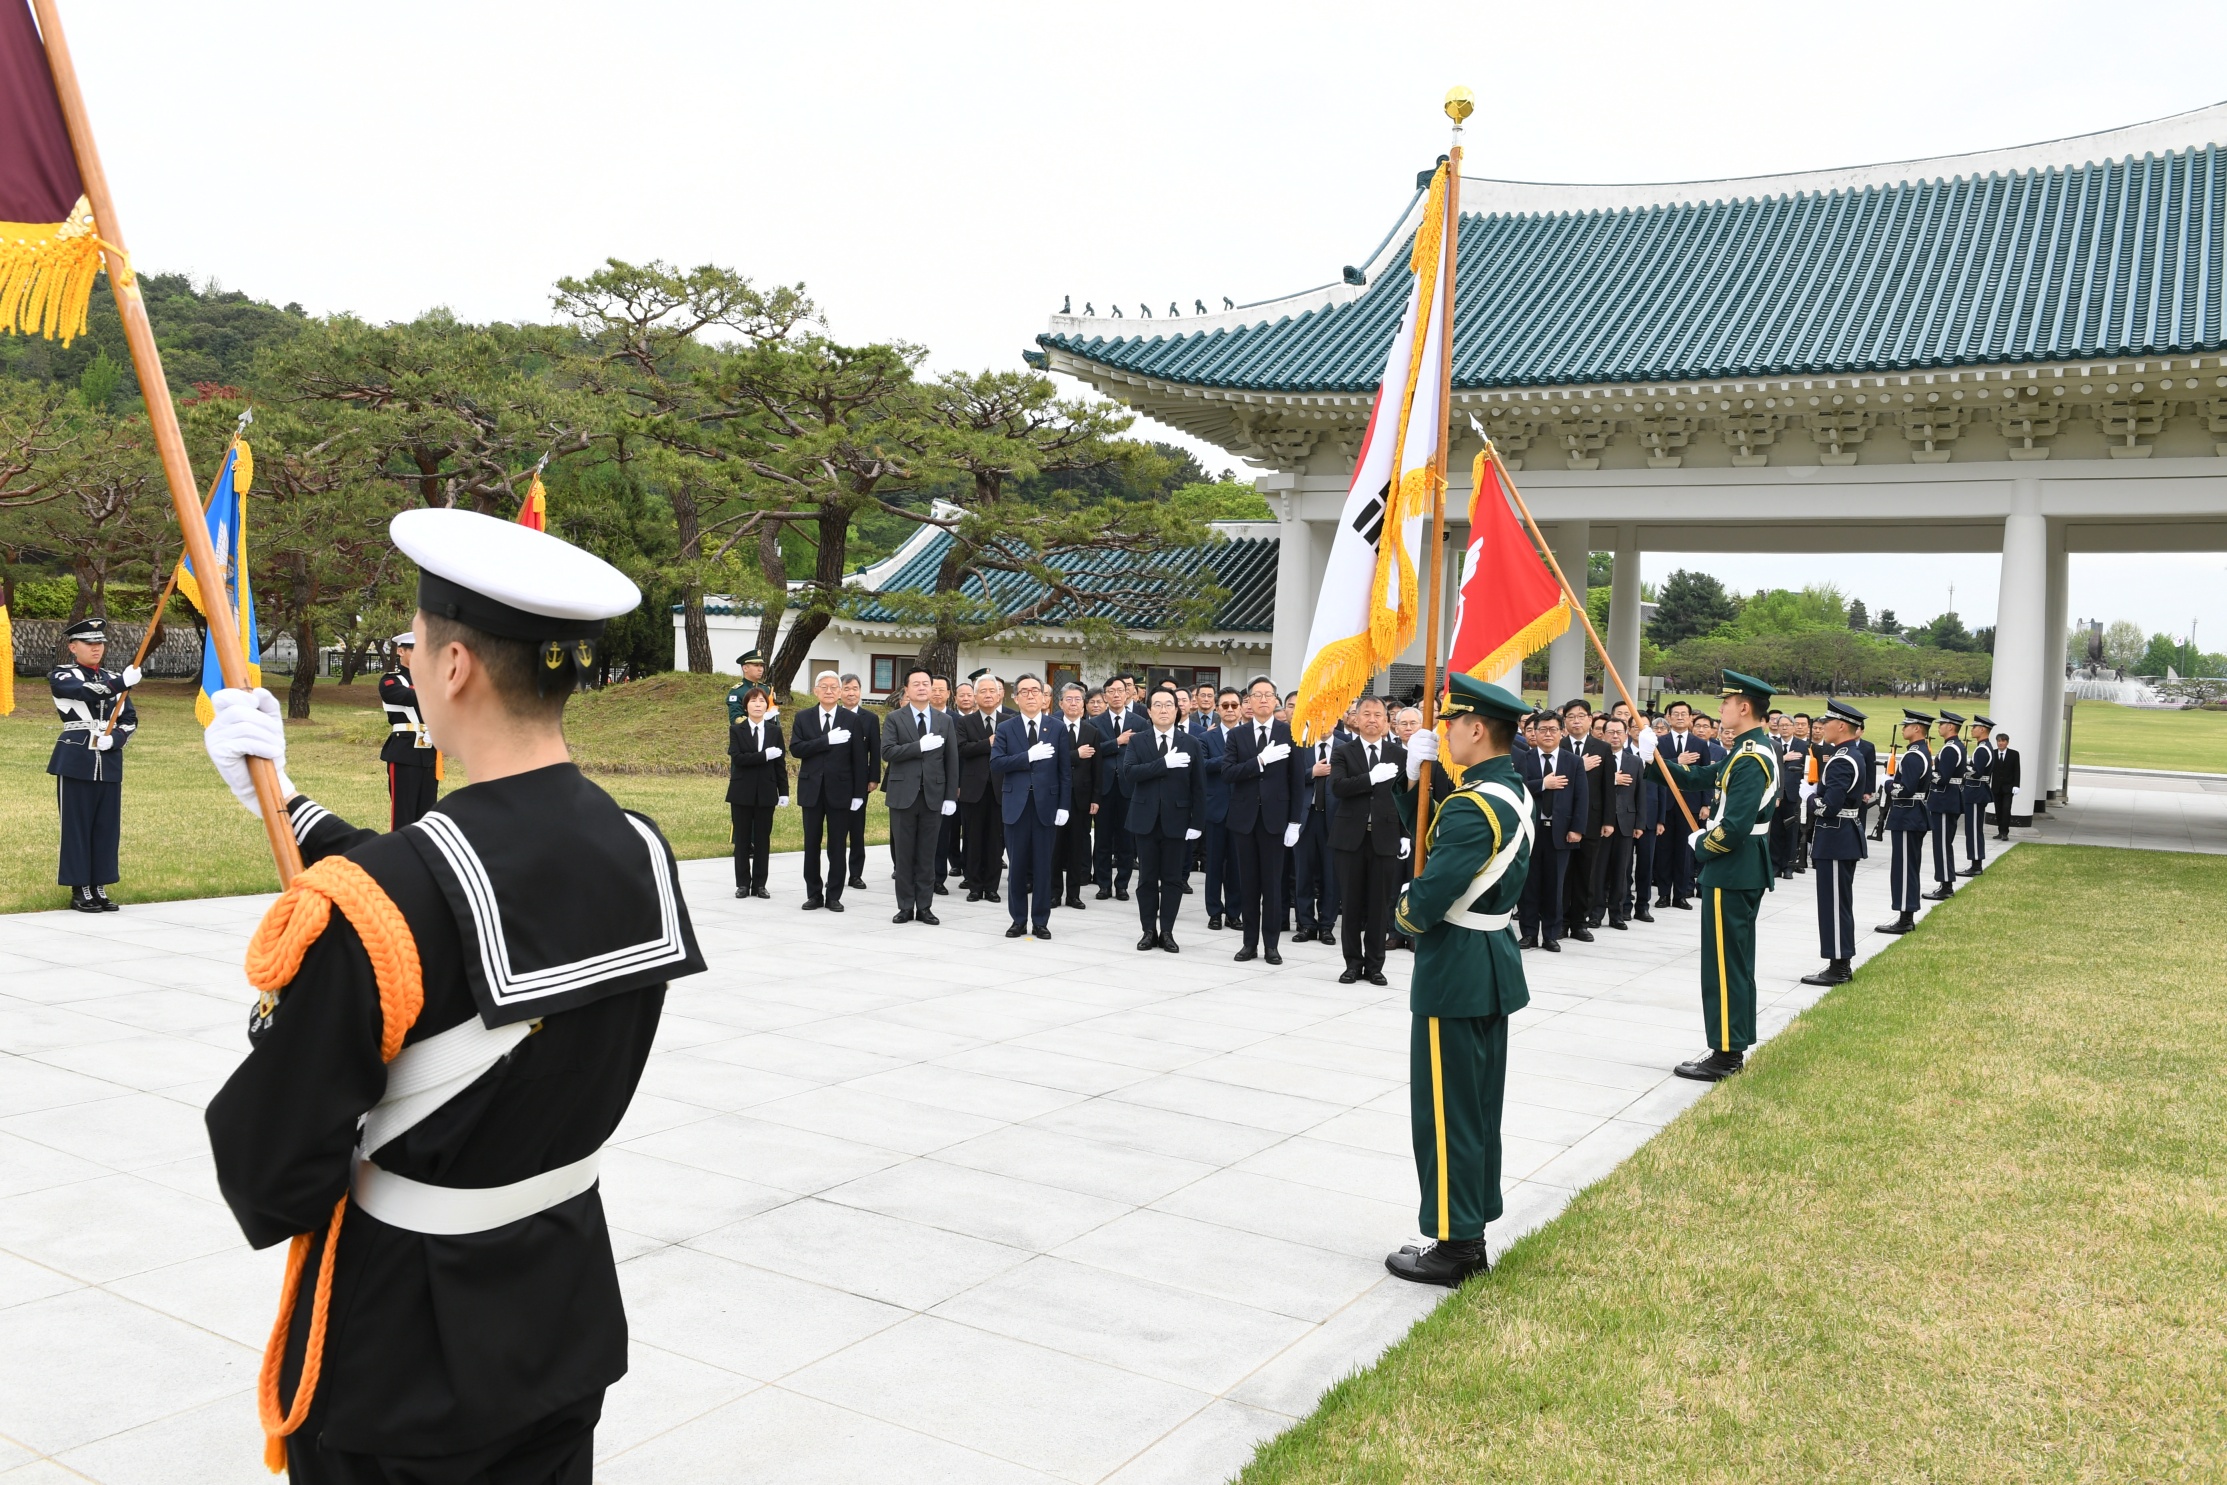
(1468, 980)
(1735, 856)
(753, 665)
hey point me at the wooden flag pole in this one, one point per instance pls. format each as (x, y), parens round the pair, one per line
(162, 417)
(1458, 107)
(1577, 605)
(169, 586)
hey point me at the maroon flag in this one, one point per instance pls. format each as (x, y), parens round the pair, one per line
(49, 252)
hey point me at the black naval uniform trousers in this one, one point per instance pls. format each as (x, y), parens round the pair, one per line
(1944, 807)
(1905, 813)
(483, 1356)
(1836, 848)
(89, 779)
(413, 765)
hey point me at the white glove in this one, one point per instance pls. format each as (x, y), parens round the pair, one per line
(857, 805)
(132, 675)
(1275, 752)
(1060, 818)
(773, 752)
(951, 806)
(1404, 847)
(772, 710)
(103, 741)
(247, 725)
(1693, 841)
(1383, 772)
(1808, 789)
(1421, 748)
(1291, 836)
(1039, 752)
(782, 803)
(1177, 758)
(836, 735)
(930, 741)
(1190, 835)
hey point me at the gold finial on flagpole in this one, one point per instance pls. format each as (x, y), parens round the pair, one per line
(1460, 104)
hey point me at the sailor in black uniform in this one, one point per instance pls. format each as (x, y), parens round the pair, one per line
(1945, 805)
(1838, 843)
(413, 763)
(513, 947)
(88, 763)
(1979, 789)
(1904, 810)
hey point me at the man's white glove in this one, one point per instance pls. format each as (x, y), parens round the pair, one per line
(1384, 773)
(782, 803)
(1190, 835)
(838, 735)
(857, 805)
(930, 741)
(247, 725)
(1405, 847)
(1291, 836)
(1060, 818)
(103, 741)
(1275, 752)
(1038, 752)
(773, 752)
(132, 675)
(1421, 748)
(1808, 789)
(1177, 758)
(951, 806)
(1693, 841)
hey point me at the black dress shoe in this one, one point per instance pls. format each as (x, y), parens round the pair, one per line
(83, 901)
(1447, 1264)
(1941, 893)
(858, 882)
(1835, 973)
(1713, 1068)
(1121, 894)
(1903, 923)
(1582, 935)
(1551, 946)
(1243, 955)
(1270, 956)
(1168, 945)
(1683, 904)
(1016, 931)
(1969, 871)
(1149, 941)
(1528, 941)
(942, 890)
(929, 918)
(2003, 835)
(100, 895)
(812, 905)
(1104, 893)
(974, 894)
(1643, 917)
(835, 907)
(904, 915)
(742, 891)
(1619, 925)
(1662, 902)
(1376, 977)
(1351, 976)
(1074, 902)
(1044, 933)
(991, 895)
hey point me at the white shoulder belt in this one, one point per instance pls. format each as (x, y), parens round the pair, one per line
(1460, 914)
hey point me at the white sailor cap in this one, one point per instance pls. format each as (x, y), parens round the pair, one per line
(406, 637)
(510, 580)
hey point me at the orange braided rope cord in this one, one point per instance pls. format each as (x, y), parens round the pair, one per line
(274, 956)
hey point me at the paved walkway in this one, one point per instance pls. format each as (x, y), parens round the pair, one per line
(894, 1203)
(2145, 811)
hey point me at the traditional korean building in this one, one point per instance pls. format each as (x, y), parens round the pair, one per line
(2015, 351)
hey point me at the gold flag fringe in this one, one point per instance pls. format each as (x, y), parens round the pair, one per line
(46, 275)
(1333, 678)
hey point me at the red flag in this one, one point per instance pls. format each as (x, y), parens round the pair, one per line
(1510, 606)
(535, 511)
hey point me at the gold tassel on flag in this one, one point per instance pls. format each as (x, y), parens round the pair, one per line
(7, 664)
(46, 275)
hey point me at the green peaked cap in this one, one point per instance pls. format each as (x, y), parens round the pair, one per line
(1468, 696)
(1760, 692)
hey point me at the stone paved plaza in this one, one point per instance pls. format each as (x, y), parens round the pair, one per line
(894, 1203)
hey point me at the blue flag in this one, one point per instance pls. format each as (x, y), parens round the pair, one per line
(227, 518)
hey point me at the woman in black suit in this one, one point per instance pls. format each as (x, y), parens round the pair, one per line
(757, 784)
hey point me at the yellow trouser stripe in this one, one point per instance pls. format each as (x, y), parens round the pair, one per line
(1724, 986)
(1438, 1128)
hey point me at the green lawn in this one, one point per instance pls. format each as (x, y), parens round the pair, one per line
(1963, 1221)
(658, 746)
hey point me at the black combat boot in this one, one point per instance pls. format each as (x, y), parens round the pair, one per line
(1714, 1068)
(1447, 1263)
(105, 905)
(1835, 973)
(82, 900)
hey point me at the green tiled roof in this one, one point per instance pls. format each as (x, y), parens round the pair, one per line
(2123, 258)
(1245, 566)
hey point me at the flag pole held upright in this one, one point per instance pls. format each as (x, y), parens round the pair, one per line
(1459, 105)
(162, 417)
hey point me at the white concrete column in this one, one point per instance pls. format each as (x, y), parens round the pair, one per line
(1572, 542)
(1296, 581)
(2021, 638)
(1623, 612)
(2045, 780)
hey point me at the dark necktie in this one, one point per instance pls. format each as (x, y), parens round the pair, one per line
(1032, 732)
(1372, 755)
(922, 719)
(1163, 745)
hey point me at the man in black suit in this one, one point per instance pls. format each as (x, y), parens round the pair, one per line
(1115, 853)
(1221, 869)
(1167, 800)
(1555, 785)
(1319, 876)
(1071, 864)
(920, 761)
(853, 697)
(2003, 778)
(1587, 887)
(1267, 798)
(981, 817)
(1674, 864)
(1628, 815)
(1370, 838)
(830, 746)
(1030, 767)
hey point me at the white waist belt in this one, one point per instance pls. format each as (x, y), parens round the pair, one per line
(1481, 922)
(452, 1211)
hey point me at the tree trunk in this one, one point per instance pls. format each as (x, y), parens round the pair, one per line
(81, 605)
(776, 573)
(827, 581)
(941, 655)
(697, 631)
(305, 669)
(688, 526)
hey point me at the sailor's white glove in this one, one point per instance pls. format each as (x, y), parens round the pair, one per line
(103, 741)
(930, 741)
(782, 803)
(838, 735)
(1060, 818)
(951, 806)
(1405, 847)
(773, 752)
(857, 805)
(1038, 752)
(132, 676)
(247, 725)
(1177, 758)
(1275, 752)
(1384, 772)
(1421, 748)
(1190, 835)
(1291, 836)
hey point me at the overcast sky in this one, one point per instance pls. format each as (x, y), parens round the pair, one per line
(945, 174)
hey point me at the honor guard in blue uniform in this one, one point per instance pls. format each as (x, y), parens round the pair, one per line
(1944, 807)
(1979, 789)
(1904, 810)
(1838, 843)
(88, 762)
(413, 763)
